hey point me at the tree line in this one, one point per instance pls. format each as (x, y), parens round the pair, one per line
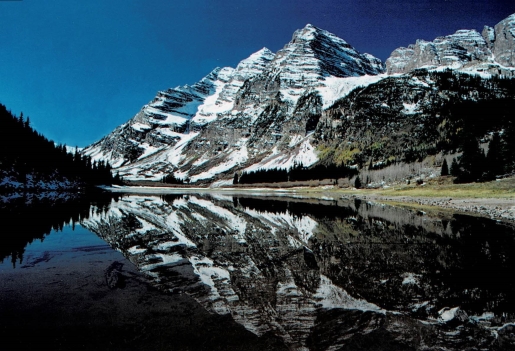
(297, 173)
(475, 166)
(171, 179)
(25, 152)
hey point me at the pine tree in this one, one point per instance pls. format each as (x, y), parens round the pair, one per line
(116, 179)
(445, 168)
(455, 168)
(471, 161)
(357, 183)
(235, 180)
(494, 161)
(508, 147)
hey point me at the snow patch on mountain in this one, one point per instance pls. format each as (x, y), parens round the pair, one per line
(332, 296)
(337, 87)
(210, 107)
(304, 154)
(234, 158)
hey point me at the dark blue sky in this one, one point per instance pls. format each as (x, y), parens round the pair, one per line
(79, 68)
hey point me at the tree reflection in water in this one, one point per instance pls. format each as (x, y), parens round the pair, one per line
(31, 217)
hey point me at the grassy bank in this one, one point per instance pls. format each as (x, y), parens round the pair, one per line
(504, 188)
(438, 187)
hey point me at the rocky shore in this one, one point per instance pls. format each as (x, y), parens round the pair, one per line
(499, 209)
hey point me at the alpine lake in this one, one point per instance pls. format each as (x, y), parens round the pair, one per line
(251, 271)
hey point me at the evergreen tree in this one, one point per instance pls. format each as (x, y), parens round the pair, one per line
(494, 161)
(357, 183)
(25, 152)
(117, 180)
(235, 180)
(455, 168)
(472, 161)
(445, 168)
(508, 147)
(171, 179)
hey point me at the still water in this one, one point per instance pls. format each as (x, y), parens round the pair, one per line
(240, 272)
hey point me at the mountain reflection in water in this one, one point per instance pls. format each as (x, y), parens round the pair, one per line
(325, 275)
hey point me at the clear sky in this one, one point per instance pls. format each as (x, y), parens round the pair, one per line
(79, 68)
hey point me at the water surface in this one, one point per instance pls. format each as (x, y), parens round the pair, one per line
(268, 272)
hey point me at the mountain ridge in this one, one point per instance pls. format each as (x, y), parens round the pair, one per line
(262, 114)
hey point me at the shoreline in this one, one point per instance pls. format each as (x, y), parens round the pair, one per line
(496, 208)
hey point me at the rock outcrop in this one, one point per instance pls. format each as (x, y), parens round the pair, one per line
(491, 52)
(504, 42)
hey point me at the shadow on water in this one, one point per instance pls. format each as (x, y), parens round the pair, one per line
(90, 297)
(32, 217)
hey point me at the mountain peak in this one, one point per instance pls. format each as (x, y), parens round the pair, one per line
(331, 54)
(310, 33)
(256, 62)
(264, 53)
(465, 49)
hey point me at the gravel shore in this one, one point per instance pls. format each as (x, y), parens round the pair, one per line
(499, 209)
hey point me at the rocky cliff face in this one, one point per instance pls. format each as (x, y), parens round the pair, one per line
(492, 51)
(262, 114)
(159, 124)
(504, 41)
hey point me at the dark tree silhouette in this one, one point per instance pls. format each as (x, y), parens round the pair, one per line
(494, 162)
(508, 146)
(171, 179)
(455, 168)
(445, 168)
(25, 153)
(472, 161)
(357, 183)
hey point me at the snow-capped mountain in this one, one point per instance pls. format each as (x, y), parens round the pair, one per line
(261, 114)
(492, 51)
(306, 61)
(229, 121)
(160, 123)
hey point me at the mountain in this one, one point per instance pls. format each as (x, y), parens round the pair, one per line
(489, 52)
(230, 116)
(266, 112)
(409, 117)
